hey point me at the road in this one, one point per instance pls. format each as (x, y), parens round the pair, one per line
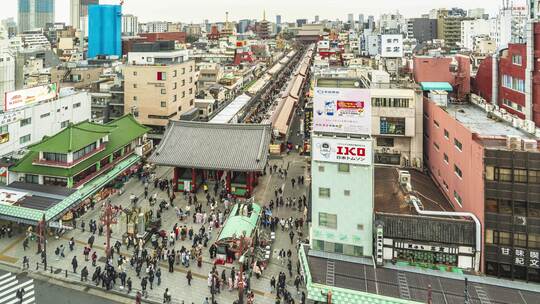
(48, 293)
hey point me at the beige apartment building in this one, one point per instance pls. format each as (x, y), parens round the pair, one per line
(159, 86)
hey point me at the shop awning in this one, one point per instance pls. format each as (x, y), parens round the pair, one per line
(436, 86)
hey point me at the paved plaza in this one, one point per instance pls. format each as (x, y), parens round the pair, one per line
(12, 252)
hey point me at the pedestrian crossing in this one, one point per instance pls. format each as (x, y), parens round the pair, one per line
(9, 284)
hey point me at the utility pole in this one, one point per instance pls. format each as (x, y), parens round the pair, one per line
(466, 291)
(42, 235)
(429, 295)
(240, 276)
(107, 219)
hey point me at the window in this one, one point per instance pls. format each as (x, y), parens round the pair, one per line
(55, 181)
(344, 168)
(520, 175)
(458, 145)
(503, 174)
(174, 86)
(534, 240)
(436, 123)
(436, 146)
(321, 168)
(328, 220)
(360, 226)
(489, 236)
(163, 104)
(512, 83)
(174, 98)
(64, 124)
(446, 134)
(514, 106)
(183, 71)
(55, 157)
(183, 94)
(318, 245)
(24, 139)
(458, 172)
(458, 198)
(490, 173)
(392, 125)
(191, 91)
(76, 105)
(338, 248)
(4, 129)
(175, 72)
(84, 151)
(445, 156)
(534, 177)
(504, 238)
(520, 208)
(183, 82)
(491, 205)
(31, 178)
(134, 73)
(161, 76)
(190, 79)
(505, 207)
(445, 185)
(347, 192)
(517, 59)
(324, 192)
(26, 121)
(134, 85)
(520, 240)
(385, 142)
(45, 115)
(163, 91)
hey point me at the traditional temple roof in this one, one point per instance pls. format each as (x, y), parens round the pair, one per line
(238, 147)
(121, 132)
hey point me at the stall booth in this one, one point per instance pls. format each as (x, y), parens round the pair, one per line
(239, 233)
(208, 153)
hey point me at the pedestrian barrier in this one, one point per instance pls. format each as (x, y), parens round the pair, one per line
(9, 287)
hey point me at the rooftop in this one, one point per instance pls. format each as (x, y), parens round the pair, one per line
(477, 121)
(389, 198)
(238, 147)
(121, 132)
(390, 281)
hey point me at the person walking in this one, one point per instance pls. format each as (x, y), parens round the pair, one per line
(84, 274)
(144, 282)
(74, 263)
(158, 276)
(189, 277)
(272, 284)
(20, 294)
(129, 285)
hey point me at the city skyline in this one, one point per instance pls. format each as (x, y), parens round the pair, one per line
(208, 9)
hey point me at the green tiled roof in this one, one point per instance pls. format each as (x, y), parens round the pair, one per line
(238, 224)
(73, 138)
(121, 132)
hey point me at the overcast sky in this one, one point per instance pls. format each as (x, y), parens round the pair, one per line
(214, 10)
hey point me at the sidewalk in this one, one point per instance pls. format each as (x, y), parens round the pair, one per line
(12, 251)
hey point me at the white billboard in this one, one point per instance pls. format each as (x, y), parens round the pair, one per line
(342, 150)
(342, 110)
(21, 98)
(392, 46)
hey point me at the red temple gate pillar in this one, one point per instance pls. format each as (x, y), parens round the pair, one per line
(175, 179)
(228, 181)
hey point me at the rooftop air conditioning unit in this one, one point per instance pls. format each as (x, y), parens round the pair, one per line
(520, 220)
(530, 145)
(404, 177)
(529, 126)
(513, 142)
(503, 111)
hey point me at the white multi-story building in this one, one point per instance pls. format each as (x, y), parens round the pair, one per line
(157, 26)
(392, 23)
(22, 127)
(130, 25)
(35, 41)
(509, 26)
(470, 29)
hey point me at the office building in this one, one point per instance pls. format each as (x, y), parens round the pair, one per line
(35, 14)
(422, 29)
(130, 25)
(26, 125)
(159, 84)
(79, 13)
(470, 29)
(105, 30)
(350, 18)
(301, 22)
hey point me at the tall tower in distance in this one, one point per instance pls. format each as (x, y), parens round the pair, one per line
(35, 14)
(78, 12)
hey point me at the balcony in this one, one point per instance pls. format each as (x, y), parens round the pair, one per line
(57, 164)
(102, 170)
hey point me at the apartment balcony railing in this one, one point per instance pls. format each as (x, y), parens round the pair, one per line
(53, 163)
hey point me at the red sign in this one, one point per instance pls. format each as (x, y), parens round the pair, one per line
(351, 151)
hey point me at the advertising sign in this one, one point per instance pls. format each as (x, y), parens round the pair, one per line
(342, 150)
(341, 110)
(392, 46)
(21, 98)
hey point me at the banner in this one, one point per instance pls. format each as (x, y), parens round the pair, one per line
(342, 150)
(342, 110)
(21, 98)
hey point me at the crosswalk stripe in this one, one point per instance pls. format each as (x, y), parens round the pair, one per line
(8, 292)
(5, 276)
(30, 282)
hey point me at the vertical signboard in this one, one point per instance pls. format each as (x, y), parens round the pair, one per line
(342, 110)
